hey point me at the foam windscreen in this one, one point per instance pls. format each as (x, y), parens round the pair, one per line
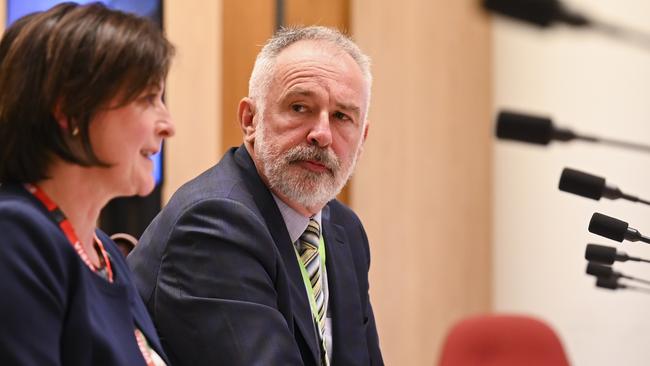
(599, 270)
(582, 184)
(600, 254)
(526, 128)
(608, 227)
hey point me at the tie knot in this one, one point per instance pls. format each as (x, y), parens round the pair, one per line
(311, 235)
(313, 228)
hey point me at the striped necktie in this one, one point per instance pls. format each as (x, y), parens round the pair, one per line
(310, 258)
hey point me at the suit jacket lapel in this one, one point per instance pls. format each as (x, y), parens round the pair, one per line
(344, 300)
(275, 223)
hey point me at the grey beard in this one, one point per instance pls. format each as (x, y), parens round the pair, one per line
(306, 188)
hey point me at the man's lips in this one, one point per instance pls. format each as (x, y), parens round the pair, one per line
(313, 166)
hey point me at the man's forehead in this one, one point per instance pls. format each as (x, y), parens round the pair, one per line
(308, 52)
(310, 49)
(315, 54)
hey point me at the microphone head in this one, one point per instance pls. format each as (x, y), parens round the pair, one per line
(538, 12)
(525, 128)
(582, 184)
(610, 283)
(599, 270)
(600, 254)
(608, 227)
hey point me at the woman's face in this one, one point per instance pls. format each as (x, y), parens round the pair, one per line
(126, 137)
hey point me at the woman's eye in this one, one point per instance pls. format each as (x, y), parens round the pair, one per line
(152, 98)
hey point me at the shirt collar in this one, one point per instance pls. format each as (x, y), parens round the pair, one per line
(295, 222)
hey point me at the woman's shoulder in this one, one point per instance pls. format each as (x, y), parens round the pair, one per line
(20, 211)
(27, 232)
(18, 208)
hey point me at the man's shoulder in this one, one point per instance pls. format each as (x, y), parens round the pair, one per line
(224, 180)
(341, 214)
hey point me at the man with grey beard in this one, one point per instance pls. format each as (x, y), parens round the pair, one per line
(255, 262)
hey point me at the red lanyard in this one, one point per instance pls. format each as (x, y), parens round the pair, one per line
(59, 217)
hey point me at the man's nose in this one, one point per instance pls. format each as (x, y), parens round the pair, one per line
(321, 133)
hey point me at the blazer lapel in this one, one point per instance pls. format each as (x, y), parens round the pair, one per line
(277, 227)
(344, 300)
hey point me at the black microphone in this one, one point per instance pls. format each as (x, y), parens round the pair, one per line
(608, 255)
(613, 284)
(542, 13)
(541, 131)
(614, 229)
(609, 283)
(592, 186)
(545, 13)
(602, 271)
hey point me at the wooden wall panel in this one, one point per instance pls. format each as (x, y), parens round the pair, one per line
(334, 13)
(246, 26)
(423, 185)
(193, 89)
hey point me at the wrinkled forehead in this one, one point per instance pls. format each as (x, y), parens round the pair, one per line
(318, 51)
(323, 55)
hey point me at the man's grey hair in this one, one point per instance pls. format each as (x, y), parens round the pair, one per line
(262, 74)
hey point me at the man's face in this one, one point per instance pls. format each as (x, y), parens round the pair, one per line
(311, 129)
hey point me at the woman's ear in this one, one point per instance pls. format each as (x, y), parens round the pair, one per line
(64, 121)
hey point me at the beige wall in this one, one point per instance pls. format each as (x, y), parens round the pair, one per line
(422, 187)
(593, 84)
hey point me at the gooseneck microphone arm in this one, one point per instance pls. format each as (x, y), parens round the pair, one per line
(546, 13)
(634, 199)
(613, 284)
(633, 36)
(541, 131)
(614, 142)
(607, 272)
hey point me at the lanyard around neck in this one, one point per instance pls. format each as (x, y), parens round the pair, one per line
(62, 221)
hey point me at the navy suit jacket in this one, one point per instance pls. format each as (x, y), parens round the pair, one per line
(219, 275)
(54, 310)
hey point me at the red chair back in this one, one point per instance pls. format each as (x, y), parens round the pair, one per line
(502, 340)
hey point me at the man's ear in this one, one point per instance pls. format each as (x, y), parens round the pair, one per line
(365, 131)
(246, 115)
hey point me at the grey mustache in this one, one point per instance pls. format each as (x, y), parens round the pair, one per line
(325, 157)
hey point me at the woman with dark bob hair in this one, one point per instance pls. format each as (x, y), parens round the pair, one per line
(81, 113)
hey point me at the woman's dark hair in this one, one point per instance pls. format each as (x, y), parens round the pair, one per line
(69, 61)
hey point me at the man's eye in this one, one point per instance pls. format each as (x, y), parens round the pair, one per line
(341, 116)
(298, 108)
